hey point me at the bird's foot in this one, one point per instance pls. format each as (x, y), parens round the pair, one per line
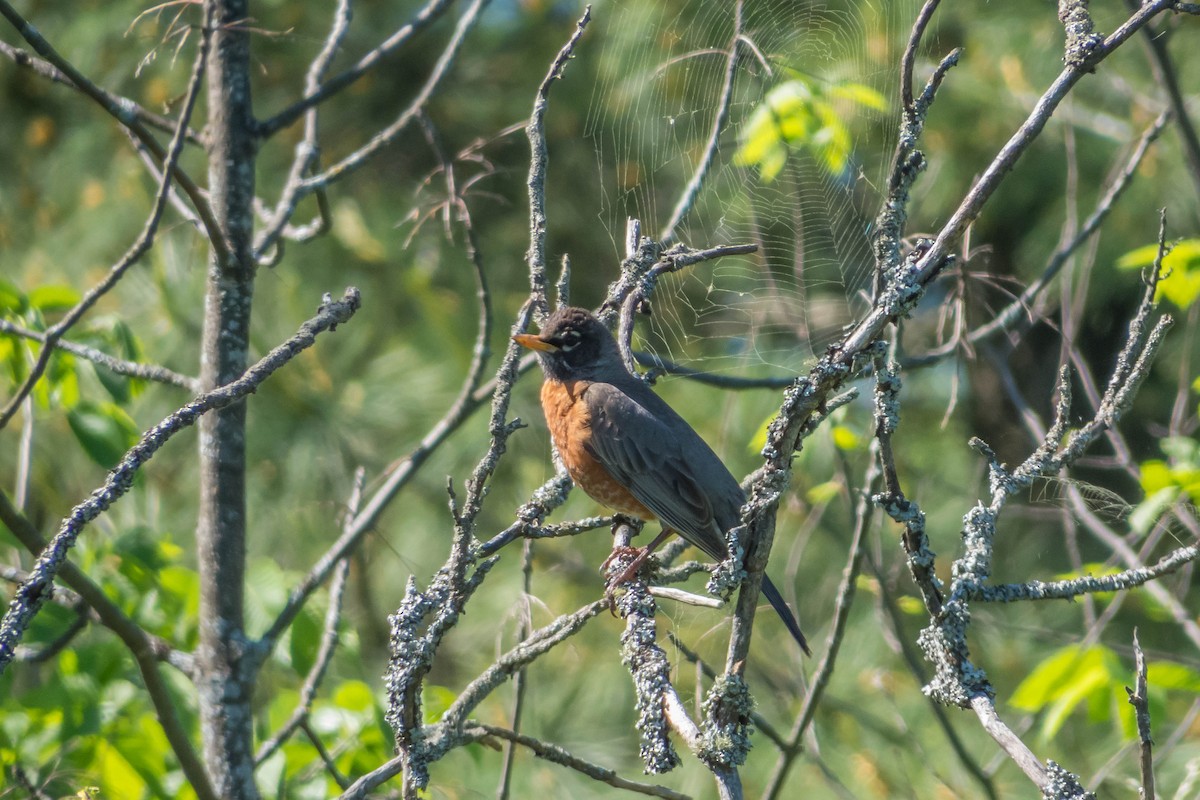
(618, 572)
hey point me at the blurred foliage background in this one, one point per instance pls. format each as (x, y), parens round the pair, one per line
(73, 195)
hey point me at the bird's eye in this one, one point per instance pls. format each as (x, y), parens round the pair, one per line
(570, 341)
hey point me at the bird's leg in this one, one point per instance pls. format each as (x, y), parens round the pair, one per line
(640, 554)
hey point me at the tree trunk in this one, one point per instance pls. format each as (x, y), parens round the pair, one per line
(225, 676)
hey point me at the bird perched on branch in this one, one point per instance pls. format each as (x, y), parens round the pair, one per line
(623, 445)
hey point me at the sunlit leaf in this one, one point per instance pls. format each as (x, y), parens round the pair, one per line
(1168, 675)
(861, 94)
(1180, 279)
(52, 299)
(435, 700)
(796, 115)
(1049, 679)
(823, 492)
(354, 696)
(845, 438)
(1147, 512)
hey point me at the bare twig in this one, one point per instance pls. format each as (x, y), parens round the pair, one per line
(1004, 319)
(1140, 700)
(841, 615)
(1165, 76)
(940, 249)
(49, 71)
(385, 137)
(477, 731)
(315, 95)
(307, 150)
(520, 681)
(985, 709)
(924, 16)
(329, 642)
(535, 258)
(122, 114)
(139, 248)
(721, 116)
(132, 369)
(405, 469)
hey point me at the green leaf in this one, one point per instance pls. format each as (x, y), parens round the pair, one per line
(1180, 279)
(435, 700)
(354, 696)
(1147, 512)
(797, 115)
(861, 94)
(1181, 449)
(105, 431)
(846, 438)
(305, 641)
(52, 299)
(823, 492)
(1050, 679)
(1167, 675)
(116, 774)
(12, 299)
(119, 387)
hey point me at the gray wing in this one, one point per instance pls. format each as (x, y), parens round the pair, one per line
(665, 464)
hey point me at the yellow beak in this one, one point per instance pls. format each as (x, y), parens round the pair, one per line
(534, 343)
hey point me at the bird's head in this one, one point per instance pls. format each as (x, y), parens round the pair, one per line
(574, 345)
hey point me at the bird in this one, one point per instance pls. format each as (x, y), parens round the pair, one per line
(628, 449)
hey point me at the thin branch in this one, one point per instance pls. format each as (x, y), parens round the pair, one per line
(935, 257)
(535, 258)
(323, 753)
(307, 149)
(139, 248)
(761, 723)
(29, 655)
(477, 731)
(357, 524)
(46, 69)
(521, 681)
(132, 369)
(660, 365)
(1165, 76)
(523, 653)
(32, 594)
(1140, 700)
(720, 119)
(985, 709)
(329, 642)
(385, 137)
(1073, 587)
(910, 55)
(122, 114)
(841, 615)
(1005, 317)
(314, 96)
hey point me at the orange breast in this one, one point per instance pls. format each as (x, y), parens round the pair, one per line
(571, 428)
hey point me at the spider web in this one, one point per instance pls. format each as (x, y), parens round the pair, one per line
(660, 82)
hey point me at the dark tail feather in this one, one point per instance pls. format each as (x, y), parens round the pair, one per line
(772, 594)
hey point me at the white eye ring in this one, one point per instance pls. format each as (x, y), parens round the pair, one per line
(575, 338)
(566, 348)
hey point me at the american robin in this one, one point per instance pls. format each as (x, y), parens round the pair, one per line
(628, 449)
